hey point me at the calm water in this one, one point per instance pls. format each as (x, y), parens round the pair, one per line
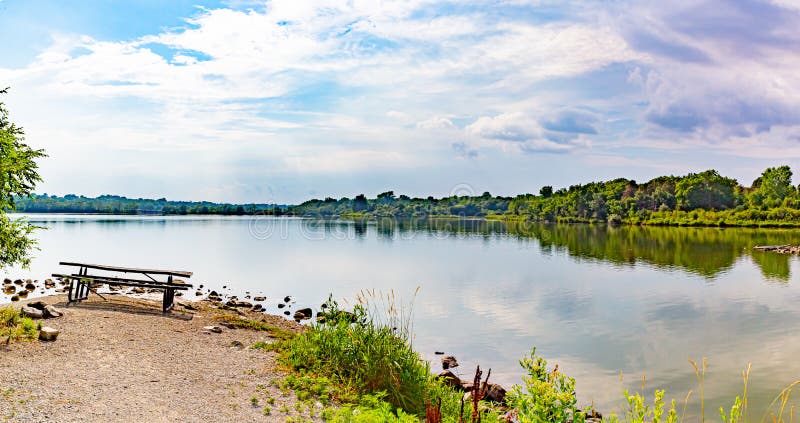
(598, 301)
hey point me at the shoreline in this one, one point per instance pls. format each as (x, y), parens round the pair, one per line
(768, 224)
(123, 360)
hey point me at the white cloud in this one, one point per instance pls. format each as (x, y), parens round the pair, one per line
(436, 122)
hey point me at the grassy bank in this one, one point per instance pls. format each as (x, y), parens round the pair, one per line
(361, 367)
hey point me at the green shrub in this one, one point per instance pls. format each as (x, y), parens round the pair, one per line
(15, 327)
(548, 396)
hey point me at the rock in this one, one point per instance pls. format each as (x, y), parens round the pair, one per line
(188, 306)
(287, 298)
(18, 282)
(30, 287)
(495, 393)
(214, 329)
(303, 314)
(198, 294)
(9, 289)
(39, 305)
(15, 298)
(594, 415)
(260, 299)
(200, 287)
(47, 333)
(138, 290)
(237, 344)
(448, 362)
(213, 294)
(52, 312)
(49, 283)
(281, 305)
(439, 352)
(31, 312)
(450, 378)
(285, 312)
(227, 325)
(23, 293)
(258, 307)
(234, 303)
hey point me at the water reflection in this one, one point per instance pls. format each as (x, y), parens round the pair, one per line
(595, 299)
(703, 251)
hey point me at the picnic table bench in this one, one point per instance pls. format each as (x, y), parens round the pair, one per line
(81, 282)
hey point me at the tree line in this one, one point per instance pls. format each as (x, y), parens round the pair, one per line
(706, 198)
(115, 204)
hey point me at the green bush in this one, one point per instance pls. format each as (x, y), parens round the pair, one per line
(15, 327)
(548, 396)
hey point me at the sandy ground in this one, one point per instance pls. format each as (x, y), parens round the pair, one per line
(123, 360)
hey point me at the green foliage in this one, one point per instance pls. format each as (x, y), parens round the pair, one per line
(772, 187)
(388, 205)
(370, 409)
(115, 204)
(705, 190)
(364, 355)
(640, 412)
(365, 362)
(547, 396)
(18, 177)
(15, 327)
(735, 413)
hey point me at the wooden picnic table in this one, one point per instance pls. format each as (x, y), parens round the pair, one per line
(81, 282)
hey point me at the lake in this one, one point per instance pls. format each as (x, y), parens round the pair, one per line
(596, 300)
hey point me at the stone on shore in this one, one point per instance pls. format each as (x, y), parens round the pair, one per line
(449, 362)
(303, 314)
(47, 333)
(31, 312)
(450, 378)
(214, 329)
(495, 393)
(260, 299)
(50, 311)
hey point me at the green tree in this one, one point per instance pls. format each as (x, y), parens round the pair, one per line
(775, 184)
(706, 190)
(18, 177)
(546, 191)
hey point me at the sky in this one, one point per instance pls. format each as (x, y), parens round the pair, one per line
(286, 100)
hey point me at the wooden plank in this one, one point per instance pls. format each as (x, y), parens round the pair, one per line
(143, 284)
(128, 269)
(114, 278)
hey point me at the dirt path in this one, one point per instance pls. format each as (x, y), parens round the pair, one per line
(124, 361)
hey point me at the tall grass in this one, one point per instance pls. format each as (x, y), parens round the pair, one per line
(640, 412)
(368, 351)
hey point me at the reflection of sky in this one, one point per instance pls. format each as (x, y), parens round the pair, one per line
(487, 298)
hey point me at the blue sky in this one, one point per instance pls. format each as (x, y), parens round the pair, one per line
(287, 100)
